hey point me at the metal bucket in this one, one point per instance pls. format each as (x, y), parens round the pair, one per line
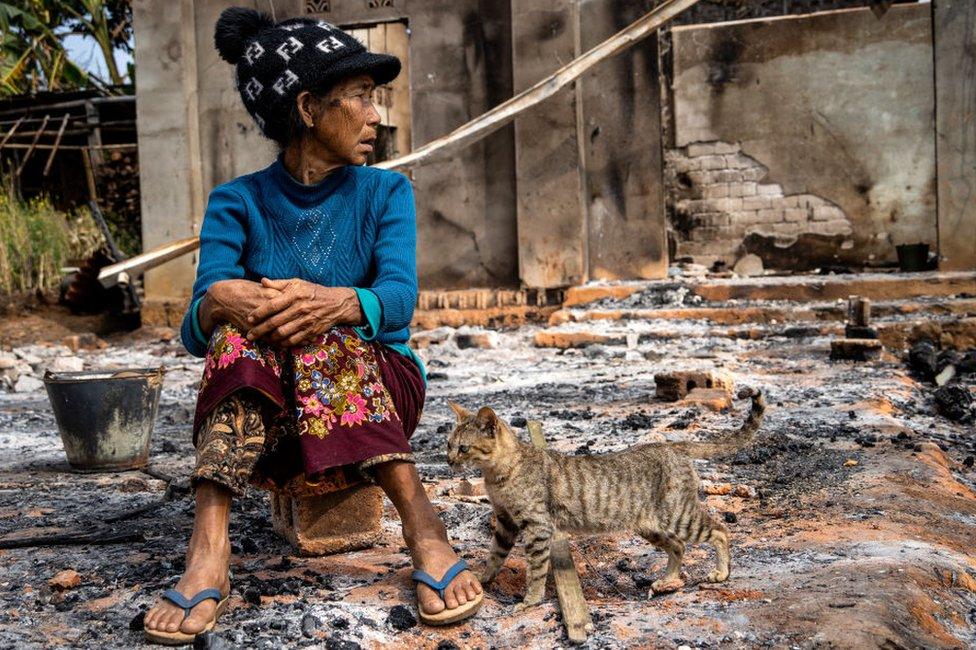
(105, 418)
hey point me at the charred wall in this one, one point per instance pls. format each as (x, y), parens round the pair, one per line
(837, 106)
(588, 159)
(715, 11)
(725, 207)
(955, 67)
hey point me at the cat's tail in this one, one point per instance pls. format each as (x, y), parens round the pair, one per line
(732, 442)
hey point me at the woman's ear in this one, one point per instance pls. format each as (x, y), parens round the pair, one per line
(306, 108)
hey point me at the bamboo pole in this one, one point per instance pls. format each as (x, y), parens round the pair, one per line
(23, 163)
(54, 149)
(507, 111)
(72, 147)
(10, 132)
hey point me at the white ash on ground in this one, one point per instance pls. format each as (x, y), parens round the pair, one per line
(826, 552)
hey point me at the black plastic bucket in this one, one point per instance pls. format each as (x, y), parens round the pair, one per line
(913, 257)
(105, 418)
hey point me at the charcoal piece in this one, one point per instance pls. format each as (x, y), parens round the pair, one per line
(955, 402)
(401, 618)
(923, 360)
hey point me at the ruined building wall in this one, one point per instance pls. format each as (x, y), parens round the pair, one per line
(725, 207)
(715, 11)
(831, 111)
(955, 68)
(588, 160)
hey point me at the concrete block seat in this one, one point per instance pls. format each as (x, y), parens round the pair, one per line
(343, 516)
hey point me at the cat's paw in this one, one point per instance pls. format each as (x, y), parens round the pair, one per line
(666, 586)
(717, 576)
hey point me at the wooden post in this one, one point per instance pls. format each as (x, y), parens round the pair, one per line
(859, 311)
(90, 177)
(94, 134)
(572, 604)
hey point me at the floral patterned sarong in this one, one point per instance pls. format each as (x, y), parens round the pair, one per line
(340, 403)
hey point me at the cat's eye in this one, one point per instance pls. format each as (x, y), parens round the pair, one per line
(464, 449)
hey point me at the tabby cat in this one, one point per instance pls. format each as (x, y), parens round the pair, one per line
(651, 490)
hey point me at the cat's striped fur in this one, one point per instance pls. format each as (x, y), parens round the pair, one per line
(651, 490)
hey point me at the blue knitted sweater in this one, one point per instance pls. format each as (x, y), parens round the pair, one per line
(356, 228)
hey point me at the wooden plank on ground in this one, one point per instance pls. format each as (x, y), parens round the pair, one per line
(572, 604)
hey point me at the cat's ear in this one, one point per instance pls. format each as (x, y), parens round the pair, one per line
(487, 421)
(459, 411)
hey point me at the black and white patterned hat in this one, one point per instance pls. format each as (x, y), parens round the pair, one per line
(276, 61)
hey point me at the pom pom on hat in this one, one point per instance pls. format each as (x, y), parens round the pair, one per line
(235, 27)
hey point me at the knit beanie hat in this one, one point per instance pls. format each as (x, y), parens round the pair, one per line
(276, 61)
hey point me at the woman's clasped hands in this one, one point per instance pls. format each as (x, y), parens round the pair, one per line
(284, 313)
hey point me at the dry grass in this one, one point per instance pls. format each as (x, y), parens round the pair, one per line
(36, 241)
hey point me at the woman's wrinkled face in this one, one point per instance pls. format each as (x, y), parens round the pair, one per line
(344, 121)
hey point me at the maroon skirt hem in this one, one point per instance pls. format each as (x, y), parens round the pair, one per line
(335, 403)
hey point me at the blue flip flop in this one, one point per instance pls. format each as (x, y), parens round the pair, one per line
(187, 604)
(446, 616)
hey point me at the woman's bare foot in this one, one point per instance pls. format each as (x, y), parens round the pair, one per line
(435, 556)
(206, 567)
(425, 534)
(207, 564)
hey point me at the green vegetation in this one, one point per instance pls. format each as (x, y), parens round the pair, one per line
(36, 241)
(33, 57)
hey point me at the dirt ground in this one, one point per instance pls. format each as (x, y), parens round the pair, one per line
(854, 528)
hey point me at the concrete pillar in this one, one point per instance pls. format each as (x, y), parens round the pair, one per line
(169, 138)
(955, 117)
(548, 162)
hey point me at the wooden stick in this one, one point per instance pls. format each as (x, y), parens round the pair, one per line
(89, 175)
(572, 604)
(507, 111)
(37, 136)
(99, 537)
(54, 149)
(71, 147)
(11, 132)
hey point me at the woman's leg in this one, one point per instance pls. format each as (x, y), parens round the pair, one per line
(207, 562)
(425, 535)
(229, 444)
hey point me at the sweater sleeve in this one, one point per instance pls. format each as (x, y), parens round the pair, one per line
(395, 256)
(222, 239)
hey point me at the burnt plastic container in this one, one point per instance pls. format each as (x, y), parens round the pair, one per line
(105, 417)
(913, 258)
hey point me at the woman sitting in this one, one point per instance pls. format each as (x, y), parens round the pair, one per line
(304, 293)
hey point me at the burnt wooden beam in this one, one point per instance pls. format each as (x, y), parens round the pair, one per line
(572, 604)
(99, 537)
